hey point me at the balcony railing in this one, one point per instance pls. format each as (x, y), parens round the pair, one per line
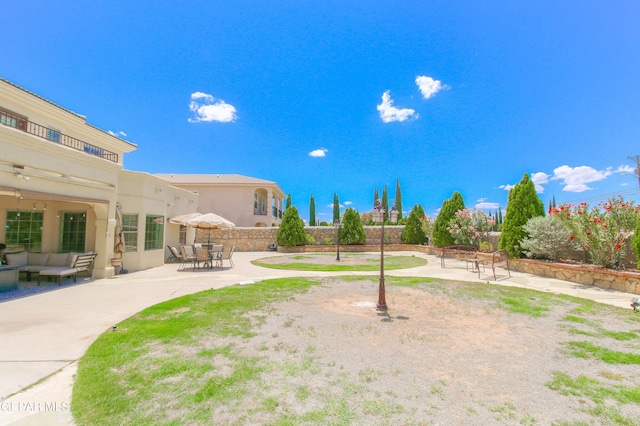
(21, 123)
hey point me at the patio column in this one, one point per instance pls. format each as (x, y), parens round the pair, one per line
(105, 229)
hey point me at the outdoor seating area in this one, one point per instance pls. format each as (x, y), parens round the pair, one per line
(474, 260)
(56, 265)
(202, 256)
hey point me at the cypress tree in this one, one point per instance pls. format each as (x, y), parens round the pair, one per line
(440, 235)
(523, 204)
(336, 208)
(312, 212)
(385, 203)
(288, 204)
(398, 199)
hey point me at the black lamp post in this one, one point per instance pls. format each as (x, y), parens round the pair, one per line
(337, 225)
(378, 216)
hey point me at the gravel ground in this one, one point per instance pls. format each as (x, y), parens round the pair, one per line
(435, 358)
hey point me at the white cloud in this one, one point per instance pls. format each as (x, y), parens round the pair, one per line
(507, 187)
(347, 203)
(389, 113)
(487, 206)
(428, 86)
(538, 180)
(207, 108)
(122, 134)
(626, 169)
(575, 179)
(318, 152)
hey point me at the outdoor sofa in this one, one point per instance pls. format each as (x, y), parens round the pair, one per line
(56, 265)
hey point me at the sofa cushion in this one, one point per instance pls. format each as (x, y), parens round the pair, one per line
(58, 259)
(38, 258)
(17, 259)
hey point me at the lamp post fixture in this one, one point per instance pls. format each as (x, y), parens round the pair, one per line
(378, 216)
(337, 225)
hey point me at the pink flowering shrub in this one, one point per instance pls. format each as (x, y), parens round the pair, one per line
(470, 227)
(602, 230)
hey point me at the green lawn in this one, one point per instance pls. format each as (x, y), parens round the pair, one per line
(349, 262)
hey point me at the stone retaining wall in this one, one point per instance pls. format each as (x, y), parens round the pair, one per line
(259, 239)
(608, 279)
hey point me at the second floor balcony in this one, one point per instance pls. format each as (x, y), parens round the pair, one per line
(10, 119)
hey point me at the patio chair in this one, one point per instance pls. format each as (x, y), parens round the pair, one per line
(174, 255)
(202, 255)
(215, 253)
(187, 256)
(227, 255)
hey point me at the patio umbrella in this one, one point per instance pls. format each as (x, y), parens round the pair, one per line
(180, 220)
(210, 221)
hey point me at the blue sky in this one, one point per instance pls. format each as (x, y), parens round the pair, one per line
(348, 96)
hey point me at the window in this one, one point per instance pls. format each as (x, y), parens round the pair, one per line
(153, 232)
(73, 231)
(130, 231)
(53, 135)
(24, 229)
(259, 204)
(11, 119)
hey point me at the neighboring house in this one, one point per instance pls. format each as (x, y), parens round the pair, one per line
(62, 180)
(243, 200)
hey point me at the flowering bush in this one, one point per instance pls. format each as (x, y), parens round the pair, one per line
(469, 227)
(601, 231)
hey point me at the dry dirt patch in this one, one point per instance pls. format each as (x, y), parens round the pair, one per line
(431, 359)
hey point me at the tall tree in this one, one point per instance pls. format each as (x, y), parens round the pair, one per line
(312, 212)
(376, 196)
(398, 199)
(440, 234)
(288, 204)
(522, 205)
(385, 203)
(336, 208)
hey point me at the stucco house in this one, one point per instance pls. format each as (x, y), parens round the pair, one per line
(245, 201)
(62, 183)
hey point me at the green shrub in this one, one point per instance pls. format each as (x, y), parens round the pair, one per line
(310, 239)
(548, 238)
(352, 231)
(291, 231)
(328, 241)
(413, 232)
(486, 247)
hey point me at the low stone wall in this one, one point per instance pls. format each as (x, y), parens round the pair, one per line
(608, 279)
(259, 239)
